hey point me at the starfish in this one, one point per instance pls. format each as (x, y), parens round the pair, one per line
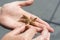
(27, 20)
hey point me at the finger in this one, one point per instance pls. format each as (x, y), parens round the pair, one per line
(27, 3)
(47, 37)
(17, 30)
(37, 24)
(47, 25)
(43, 35)
(29, 34)
(37, 28)
(23, 3)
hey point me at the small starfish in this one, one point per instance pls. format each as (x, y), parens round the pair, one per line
(27, 20)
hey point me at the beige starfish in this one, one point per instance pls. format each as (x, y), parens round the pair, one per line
(27, 20)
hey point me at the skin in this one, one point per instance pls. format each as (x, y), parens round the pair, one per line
(11, 13)
(27, 35)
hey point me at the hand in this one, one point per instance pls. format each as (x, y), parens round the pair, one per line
(17, 34)
(12, 12)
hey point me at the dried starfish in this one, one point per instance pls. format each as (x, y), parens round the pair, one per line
(27, 20)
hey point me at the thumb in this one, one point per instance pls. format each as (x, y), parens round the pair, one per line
(26, 3)
(17, 30)
(23, 3)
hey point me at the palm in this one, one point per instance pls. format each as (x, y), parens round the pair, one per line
(12, 13)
